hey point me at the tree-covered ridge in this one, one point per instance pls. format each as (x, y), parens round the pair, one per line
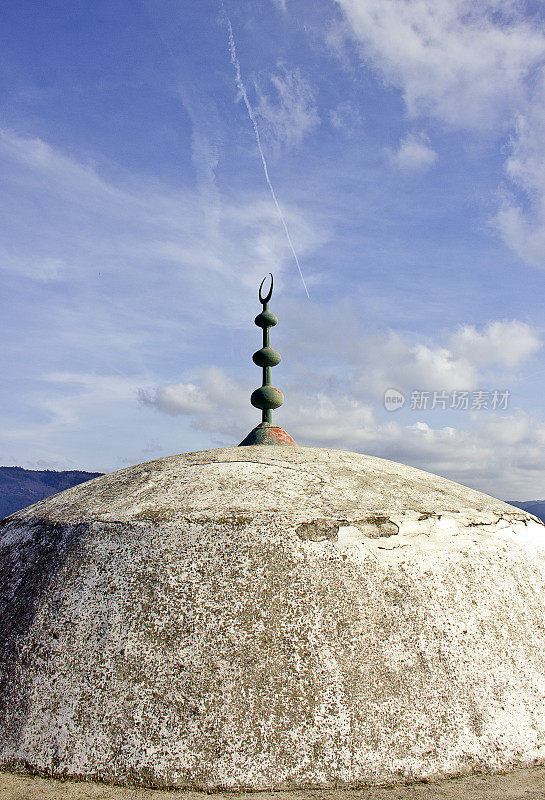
(21, 487)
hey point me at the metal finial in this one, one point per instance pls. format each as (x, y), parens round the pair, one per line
(267, 397)
(269, 294)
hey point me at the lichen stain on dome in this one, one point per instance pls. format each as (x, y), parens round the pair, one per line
(271, 617)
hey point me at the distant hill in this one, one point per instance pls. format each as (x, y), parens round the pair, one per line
(20, 487)
(535, 507)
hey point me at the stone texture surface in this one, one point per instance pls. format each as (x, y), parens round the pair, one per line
(271, 618)
(518, 784)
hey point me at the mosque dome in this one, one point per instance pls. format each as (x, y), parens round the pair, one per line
(267, 617)
(271, 616)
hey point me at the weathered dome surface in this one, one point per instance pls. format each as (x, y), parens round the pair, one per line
(270, 617)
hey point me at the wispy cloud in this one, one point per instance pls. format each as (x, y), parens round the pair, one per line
(349, 413)
(68, 401)
(289, 112)
(521, 218)
(474, 66)
(346, 117)
(253, 120)
(127, 276)
(79, 224)
(205, 151)
(414, 154)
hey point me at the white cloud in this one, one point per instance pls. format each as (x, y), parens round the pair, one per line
(182, 398)
(414, 154)
(218, 403)
(504, 343)
(458, 60)
(339, 402)
(289, 113)
(215, 393)
(474, 66)
(392, 360)
(495, 454)
(501, 455)
(456, 360)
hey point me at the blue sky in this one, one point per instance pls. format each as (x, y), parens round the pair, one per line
(404, 142)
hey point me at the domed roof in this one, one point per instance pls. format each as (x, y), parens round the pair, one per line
(271, 617)
(262, 480)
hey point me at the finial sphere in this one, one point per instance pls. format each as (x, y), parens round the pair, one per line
(267, 397)
(266, 319)
(266, 357)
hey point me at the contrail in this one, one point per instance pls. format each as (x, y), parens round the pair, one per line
(242, 90)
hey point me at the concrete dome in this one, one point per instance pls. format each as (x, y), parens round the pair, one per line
(271, 617)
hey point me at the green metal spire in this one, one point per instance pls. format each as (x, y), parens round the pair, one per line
(267, 397)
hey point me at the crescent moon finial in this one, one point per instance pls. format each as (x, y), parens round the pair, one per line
(269, 295)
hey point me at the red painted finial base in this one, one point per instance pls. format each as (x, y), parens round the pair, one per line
(265, 433)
